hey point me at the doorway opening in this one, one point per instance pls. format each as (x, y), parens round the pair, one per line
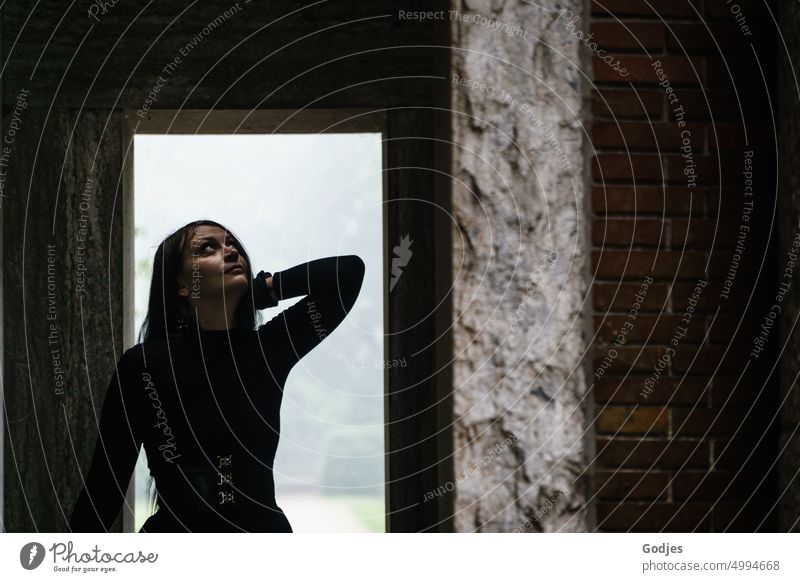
(302, 192)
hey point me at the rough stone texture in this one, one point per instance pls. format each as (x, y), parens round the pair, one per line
(51, 432)
(789, 218)
(262, 55)
(276, 55)
(520, 271)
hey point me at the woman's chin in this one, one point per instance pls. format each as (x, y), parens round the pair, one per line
(235, 282)
(235, 279)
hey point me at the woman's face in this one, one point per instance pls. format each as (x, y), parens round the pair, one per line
(211, 264)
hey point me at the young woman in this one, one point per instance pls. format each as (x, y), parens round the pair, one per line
(202, 392)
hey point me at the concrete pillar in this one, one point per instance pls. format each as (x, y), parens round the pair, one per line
(62, 286)
(523, 438)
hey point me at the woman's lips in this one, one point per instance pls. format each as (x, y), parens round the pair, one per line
(235, 269)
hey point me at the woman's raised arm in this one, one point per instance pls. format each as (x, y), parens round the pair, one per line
(331, 286)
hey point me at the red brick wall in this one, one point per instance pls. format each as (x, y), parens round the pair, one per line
(697, 453)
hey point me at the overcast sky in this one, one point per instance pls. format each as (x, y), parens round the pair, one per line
(289, 199)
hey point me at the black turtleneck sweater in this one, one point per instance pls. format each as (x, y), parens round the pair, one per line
(206, 407)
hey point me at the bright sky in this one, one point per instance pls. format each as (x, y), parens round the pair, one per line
(289, 199)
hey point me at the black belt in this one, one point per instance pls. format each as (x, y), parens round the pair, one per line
(220, 483)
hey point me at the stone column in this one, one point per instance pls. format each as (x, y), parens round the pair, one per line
(522, 419)
(62, 286)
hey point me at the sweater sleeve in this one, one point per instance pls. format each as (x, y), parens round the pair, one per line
(115, 454)
(330, 285)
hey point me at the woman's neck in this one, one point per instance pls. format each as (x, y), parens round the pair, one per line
(215, 319)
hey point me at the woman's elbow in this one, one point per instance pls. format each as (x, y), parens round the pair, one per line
(354, 272)
(348, 277)
(354, 264)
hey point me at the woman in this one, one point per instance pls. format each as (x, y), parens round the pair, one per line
(202, 392)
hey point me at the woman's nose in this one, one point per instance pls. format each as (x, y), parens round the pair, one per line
(231, 252)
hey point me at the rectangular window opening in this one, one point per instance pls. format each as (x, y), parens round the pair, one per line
(292, 192)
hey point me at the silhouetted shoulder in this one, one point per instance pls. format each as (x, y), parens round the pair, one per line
(141, 357)
(132, 355)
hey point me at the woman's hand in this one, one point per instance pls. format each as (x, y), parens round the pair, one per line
(263, 293)
(272, 291)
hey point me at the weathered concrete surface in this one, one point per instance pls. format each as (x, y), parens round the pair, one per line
(275, 55)
(226, 54)
(520, 269)
(789, 218)
(63, 299)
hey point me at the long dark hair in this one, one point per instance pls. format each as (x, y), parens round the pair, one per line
(167, 312)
